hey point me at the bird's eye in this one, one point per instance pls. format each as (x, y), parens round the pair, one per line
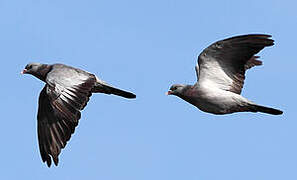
(174, 88)
(29, 67)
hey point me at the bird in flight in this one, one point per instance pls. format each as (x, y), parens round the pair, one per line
(65, 94)
(220, 76)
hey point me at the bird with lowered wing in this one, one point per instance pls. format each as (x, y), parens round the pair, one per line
(65, 94)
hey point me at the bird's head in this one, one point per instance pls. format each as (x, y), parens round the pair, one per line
(36, 69)
(176, 89)
(31, 68)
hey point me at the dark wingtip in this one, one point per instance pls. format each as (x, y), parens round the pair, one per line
(262, 37)
(56, 160)
(48, 162)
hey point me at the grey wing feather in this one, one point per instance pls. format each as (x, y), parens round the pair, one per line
(53, 130)
(60, 103)
(223, 64)
(197, 71)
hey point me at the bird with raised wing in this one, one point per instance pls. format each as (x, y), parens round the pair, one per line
(65, 94)
(220, 76)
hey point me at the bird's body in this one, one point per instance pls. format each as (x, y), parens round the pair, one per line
(220, 76)
(66, 93)
(206, 99)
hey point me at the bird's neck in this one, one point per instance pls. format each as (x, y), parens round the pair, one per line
(184, 91)
(188, 93)
(187, 89)
(42, 72)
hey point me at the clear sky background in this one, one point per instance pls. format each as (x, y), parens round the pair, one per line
(144, 47)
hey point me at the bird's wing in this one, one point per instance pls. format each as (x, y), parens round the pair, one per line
(197, 71)
(223, 64)
(60, 102)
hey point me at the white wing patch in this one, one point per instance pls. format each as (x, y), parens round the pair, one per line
(212, 75)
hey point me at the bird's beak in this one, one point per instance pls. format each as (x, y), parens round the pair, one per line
(168, 93)
(24, 71)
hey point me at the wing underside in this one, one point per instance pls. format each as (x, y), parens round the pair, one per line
(223, 64)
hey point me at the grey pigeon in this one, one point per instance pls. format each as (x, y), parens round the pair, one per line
(65, 94)
(220, 76)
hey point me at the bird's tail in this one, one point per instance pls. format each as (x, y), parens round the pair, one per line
(268, 110)
(107, 89)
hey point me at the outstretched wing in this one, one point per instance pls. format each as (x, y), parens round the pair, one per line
(223, 64)
(60, 101)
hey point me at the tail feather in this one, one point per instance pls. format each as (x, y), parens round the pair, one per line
(107, 89)
(268, 110)
(122, 93)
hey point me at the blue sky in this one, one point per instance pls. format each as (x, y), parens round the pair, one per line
(144, 47)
